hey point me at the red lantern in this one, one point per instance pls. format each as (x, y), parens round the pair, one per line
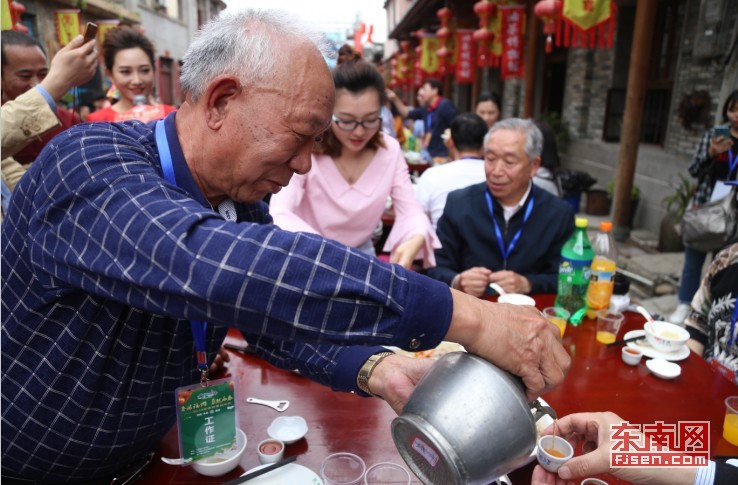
(485, 9)
(16, 10)
(549, 11)
(445, 14)
(443, 34)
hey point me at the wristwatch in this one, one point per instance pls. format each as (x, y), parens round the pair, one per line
(362, 379)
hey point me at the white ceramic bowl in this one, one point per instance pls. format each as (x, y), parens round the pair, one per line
(665, 336)
(222, 463)
(288, 429)
(631, 356)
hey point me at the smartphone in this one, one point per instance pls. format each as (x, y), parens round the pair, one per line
(723, 131)
(90, 32)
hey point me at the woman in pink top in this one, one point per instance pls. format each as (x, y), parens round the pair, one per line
(355, 168)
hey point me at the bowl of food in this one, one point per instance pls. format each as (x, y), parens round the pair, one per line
(665, 336)
(221, 463)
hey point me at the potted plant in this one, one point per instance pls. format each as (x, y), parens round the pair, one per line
(635, 197)
(670, 239)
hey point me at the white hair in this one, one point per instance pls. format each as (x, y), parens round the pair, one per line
(533, 136)
(244, 44)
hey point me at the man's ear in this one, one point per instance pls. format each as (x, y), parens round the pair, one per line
(535, 164)
(219, 98)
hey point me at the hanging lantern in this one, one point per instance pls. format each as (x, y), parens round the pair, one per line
(444, 34)
(549, 11)
(485, 10)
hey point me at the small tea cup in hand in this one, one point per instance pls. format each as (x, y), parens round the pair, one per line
(553, 451)
(270, 451)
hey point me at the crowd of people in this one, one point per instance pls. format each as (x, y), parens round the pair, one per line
(256, 205)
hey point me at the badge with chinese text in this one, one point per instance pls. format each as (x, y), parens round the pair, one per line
(206, 419)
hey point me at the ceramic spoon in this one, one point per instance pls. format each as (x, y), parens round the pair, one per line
(497, 288)
(176, 461)
(278, 405)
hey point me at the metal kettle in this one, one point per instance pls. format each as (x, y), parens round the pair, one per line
(466, 422)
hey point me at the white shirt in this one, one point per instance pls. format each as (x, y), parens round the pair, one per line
(435, 184)
(509, 210)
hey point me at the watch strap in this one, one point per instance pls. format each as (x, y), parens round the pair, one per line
(362, 379)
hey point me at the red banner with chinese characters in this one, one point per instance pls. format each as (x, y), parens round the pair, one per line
(464, 56)
(513, 28)
(67, 25)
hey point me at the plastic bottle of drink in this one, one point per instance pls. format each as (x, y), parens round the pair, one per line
(576, 258)
(602, 280)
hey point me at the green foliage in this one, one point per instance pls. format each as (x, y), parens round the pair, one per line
(635, 192)
(679, 200)
(560, 127)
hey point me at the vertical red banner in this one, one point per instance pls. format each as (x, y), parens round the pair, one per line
(513, 27)
(67, 25)
(465, 56)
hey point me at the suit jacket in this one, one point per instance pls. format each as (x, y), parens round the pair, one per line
(468, 238)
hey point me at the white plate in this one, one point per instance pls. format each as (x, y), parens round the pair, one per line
(292, 474)
(652, 353)
(663, 368)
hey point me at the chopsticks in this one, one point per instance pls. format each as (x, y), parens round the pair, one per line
(262, 471)
(625, 341)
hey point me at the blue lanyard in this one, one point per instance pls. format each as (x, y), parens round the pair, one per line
(198, 328)
(506, 251)
(428, 122)
(731, 340)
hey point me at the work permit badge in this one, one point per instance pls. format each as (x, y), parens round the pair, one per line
(206, 419)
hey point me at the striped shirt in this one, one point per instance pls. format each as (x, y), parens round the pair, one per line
(103, 265)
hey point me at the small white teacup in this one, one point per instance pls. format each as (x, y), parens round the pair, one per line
(270, 451)
(553, 451)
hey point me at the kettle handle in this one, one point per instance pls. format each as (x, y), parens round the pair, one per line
(541, 410)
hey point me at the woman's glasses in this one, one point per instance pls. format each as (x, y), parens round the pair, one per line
(350, 125)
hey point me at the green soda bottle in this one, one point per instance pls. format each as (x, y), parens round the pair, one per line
(574, 269)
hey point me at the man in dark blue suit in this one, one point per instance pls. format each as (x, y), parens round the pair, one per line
(504, 230)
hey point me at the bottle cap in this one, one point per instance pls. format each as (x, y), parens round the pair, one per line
(581, 222)
(621, 284)
(606, 226)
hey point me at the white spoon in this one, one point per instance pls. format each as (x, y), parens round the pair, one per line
(497, 288)
(645, 314)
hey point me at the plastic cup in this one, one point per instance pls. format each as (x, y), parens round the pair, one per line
(387, 472)
(608, 326)
(730, 425)
(557, 316)
(342, 469)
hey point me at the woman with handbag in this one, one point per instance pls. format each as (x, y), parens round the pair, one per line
(711, 165)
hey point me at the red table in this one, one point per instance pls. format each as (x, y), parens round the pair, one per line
(597, 381)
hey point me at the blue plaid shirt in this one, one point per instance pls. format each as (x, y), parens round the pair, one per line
(103, 265)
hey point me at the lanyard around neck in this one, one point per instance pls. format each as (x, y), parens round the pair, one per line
(505, 252)
(198, 328)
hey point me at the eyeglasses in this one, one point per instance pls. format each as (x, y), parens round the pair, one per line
(350, 125)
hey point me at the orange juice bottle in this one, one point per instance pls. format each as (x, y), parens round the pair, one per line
(602, 279)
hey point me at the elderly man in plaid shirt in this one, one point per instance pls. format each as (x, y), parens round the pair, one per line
(122, 233)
